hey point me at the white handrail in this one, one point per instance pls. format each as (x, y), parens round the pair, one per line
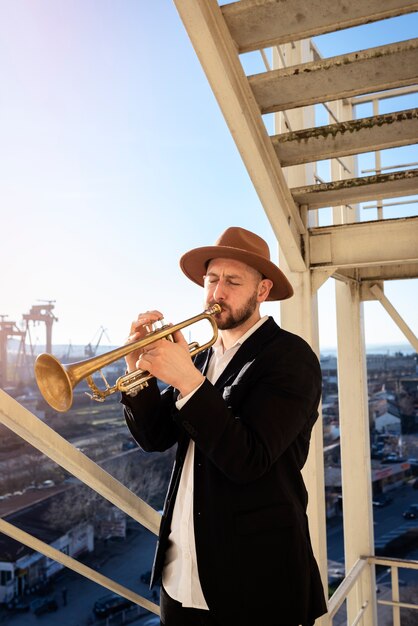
(43, 438)
(354, 576)
(342, 591)
(76, 566)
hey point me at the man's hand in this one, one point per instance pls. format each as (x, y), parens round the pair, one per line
(141, 327)
(171, 362)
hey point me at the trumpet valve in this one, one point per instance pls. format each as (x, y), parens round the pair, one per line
(135, 390)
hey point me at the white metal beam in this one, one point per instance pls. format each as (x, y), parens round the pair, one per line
(375, 69)
(43, 438)
(383, 95)
(352, 137)
(299, 314)
(80, 568)
(389, 242)
(397, 271)
(399, 321)
(218, 55)
(255, 24)
(354, 190)
(355, 442)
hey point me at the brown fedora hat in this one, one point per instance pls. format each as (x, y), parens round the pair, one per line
(241, 245)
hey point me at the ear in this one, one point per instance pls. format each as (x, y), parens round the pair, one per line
(264, 289)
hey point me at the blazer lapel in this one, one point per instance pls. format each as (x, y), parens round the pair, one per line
(248, 351)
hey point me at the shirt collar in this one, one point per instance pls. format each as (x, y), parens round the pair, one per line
(219, 347)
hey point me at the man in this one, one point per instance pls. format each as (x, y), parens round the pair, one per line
(234, 545)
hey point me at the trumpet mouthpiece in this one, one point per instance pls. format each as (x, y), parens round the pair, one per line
(214, 309)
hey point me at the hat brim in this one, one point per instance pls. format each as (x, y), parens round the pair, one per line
(194, 265)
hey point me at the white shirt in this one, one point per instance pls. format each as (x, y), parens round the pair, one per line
(180, 574)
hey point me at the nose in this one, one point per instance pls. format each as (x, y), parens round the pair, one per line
(219, 292)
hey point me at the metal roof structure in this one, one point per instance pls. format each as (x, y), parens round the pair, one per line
(300, 79)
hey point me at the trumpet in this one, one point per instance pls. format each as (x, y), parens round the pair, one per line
(56, 381)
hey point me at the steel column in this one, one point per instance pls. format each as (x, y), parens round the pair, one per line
(355, 443)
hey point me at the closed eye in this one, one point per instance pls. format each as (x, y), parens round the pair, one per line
(212, 280)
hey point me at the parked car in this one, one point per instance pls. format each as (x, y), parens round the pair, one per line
(129, 445)
(110, 604)
(18, 605)
(47, 484)
(381, 500)
(44, 605)
(411, 512)
(393, 458)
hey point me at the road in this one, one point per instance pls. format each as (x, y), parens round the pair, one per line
(387, 520)
(124, 561)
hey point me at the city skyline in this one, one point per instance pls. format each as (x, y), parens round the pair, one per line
(116, 160)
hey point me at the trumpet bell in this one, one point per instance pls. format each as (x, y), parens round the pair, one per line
(54, 382)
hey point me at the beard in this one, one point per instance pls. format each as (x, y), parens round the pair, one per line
(235, 319)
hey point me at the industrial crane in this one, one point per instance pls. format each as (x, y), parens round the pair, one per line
(91, 350)
(9, 329)
(42, 313)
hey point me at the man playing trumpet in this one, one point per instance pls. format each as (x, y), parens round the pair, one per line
(234, 547)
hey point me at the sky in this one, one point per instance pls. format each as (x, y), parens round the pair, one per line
(115, 160)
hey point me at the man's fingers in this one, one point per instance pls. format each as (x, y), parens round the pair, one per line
(179, 338)
(142, 326)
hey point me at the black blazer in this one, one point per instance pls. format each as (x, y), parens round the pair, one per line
(252, 430)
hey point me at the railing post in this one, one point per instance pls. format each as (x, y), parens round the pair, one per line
(395, 596)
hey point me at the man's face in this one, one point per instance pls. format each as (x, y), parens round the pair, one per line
(238, 288)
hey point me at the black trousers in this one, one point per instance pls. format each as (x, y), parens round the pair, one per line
(174, 614)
